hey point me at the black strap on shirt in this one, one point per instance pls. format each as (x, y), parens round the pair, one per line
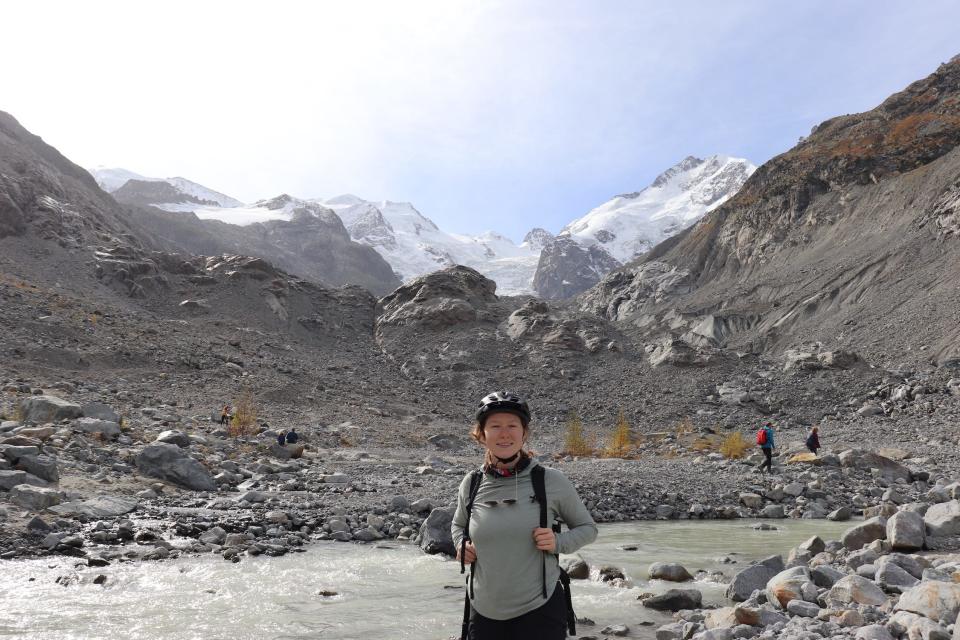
(540, 493)
(475, 478)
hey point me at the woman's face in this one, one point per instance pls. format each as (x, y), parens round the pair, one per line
(503, 434)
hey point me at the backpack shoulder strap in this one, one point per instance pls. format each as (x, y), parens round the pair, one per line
(475, 479)
(540, 492)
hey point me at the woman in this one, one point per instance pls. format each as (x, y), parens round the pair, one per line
(513, 589)
(813, 440)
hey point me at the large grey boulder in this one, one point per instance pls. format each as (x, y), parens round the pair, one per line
(906, 531)
(40, 409)
(108, 430)
(10, 479)
(675, 600)
(894, 578)
(864, 533)
(873, 632)
(97, 507)
(943, 519)
(169, 462)
(754, 577)
(43, 467)
(787, 585)
(934, 599)
(101, 412)
(35, 498)
(435, 536)
(856, 590)
(862, 459)
(669, 571)
(178, 438)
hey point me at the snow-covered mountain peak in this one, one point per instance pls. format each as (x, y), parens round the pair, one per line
(537, 238)
(185, 196)
(632, 223)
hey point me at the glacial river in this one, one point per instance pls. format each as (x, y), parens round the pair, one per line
(391, 591)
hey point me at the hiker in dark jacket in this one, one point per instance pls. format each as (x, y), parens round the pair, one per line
(281, 437)
(514, 589)
(765, 440)
(293, 437)
(813, 440)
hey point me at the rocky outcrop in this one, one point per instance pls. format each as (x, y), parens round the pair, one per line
(566, 268)
(170, 462)
(458, 295)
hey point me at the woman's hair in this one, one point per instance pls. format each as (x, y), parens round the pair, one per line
(476, 432)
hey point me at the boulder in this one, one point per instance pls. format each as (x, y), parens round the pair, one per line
(35, 498)
(43, 467)
(435, 536)
(894, 578)
(169, 462)
(670, 571)
(40, 409)
(856, 590)
(934, 600)
(751, 500)
(814, 545)
(906, 530)
(862, 459)
(102, 411)
(864, 533)
(873, 632)
(754, 577)
(840, 515)
(576, 567)
(178, 438)
(10, 479)
(825, 576)
(787, 585)
(97, 507)
(803, 608)
(943, 519)
(106, 429)
(675, 600)
(37, 433)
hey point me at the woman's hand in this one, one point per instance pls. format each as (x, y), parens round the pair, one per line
(545, 539)
(471, 553)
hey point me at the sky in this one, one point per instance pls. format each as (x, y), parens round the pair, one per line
(485, 115)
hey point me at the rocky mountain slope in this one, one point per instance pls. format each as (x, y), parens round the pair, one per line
(849, 239)
(628, 225)
(169, 194)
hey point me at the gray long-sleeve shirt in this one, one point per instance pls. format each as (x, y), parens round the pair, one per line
(507, 575)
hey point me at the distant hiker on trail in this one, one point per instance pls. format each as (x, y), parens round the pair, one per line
(225, 415)
(293, 436)
(281, 437)
(813, 440)
(502, 529)
(765, 441)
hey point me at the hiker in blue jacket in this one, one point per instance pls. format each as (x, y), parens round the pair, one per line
(765, 440)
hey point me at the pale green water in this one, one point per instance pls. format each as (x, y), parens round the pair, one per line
(395, 593)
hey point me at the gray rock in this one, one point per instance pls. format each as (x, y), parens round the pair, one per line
(943, 519)
(14, 452)
(856, 590)
(576, 567)
(97, 507)
(906, 530)
(752, 578)
(102, 411)
(109, 430)
(873, 632)
(177, 438)
(214, 535)
(40, 409)
(35, 498)
(675, 600)
(825, 576)
(254, 497)
(169, 462)
(10, 479)
(43, 467)
(840, 515)
(814, 545)
(862, 459)
(435, 536)
(772, 511)
(670, 571)
(803, 608)
(786, 586)
(894, 578)
(865, 533)
(934, 600)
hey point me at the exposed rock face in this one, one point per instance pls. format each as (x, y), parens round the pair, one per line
(817, 242)
(40, 409)
(538, 238)
(169, 462)
(445, 298)
(566, 268)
